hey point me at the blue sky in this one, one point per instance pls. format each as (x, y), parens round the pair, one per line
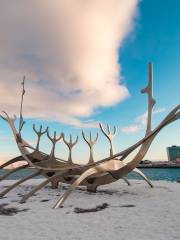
(155, 37)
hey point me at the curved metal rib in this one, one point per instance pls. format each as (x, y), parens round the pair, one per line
(3, 193)
(143, 176)
(44, 183)
(17, 136)
(74, 185)
(126, 181)
(14, 160)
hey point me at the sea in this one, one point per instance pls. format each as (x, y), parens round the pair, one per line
(167, 174)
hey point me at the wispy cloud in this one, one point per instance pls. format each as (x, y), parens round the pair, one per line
(4, 139)
(131, 129)
(142, 119)
(140, 122)
(69, 52)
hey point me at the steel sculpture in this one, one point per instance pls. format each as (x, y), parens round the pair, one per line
(92, 174)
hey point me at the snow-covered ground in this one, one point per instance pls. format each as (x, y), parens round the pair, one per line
(133, 213)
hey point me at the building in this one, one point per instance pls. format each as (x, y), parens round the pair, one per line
(173, 153)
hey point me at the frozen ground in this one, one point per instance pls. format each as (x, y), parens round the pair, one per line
(133, 213)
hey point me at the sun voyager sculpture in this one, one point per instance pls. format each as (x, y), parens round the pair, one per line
(93, 174)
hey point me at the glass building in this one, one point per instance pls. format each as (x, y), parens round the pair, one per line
(173, 153)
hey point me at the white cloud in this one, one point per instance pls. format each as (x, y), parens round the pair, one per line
(140, 122)
(142, 119)
(69, 52)
(131, 129)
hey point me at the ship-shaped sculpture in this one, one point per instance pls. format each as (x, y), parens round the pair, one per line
(93, 174)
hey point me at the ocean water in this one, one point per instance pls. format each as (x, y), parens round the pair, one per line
(168, 174)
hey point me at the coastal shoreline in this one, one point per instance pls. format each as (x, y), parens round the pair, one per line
(157, 166)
